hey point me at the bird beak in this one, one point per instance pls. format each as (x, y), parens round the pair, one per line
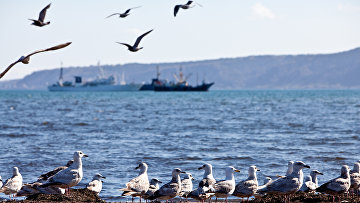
(320, 173)
(159, 181)
(182, 172)
(192, 178)
(237, 170)
(104, 177)
(137, 167)
(307, 166)
(85, 155)
(258, 169)
(200, 168)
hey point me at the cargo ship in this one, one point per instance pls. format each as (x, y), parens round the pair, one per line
(102, 84)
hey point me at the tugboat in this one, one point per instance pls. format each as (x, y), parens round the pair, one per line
(181, 84)
(97, 85)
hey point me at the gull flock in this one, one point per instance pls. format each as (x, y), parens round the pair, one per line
(40, 22)
(61, 179)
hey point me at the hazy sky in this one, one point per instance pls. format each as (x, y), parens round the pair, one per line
(219, 29)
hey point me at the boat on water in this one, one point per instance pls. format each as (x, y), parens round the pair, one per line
(102, 84)
(180, 85)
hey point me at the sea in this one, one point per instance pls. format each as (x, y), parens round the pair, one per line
(40, 130)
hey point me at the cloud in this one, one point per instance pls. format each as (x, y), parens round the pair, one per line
(261, 11)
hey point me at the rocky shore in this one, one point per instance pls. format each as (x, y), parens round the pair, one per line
(84, 195)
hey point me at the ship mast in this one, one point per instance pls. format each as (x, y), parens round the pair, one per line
(61, 75)
(157, 72)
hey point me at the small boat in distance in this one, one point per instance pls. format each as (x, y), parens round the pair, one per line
(180, 85)
(102, 84)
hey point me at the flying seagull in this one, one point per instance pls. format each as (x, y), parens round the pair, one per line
(40, 22)
(26, 59)
(135, 47)
(188, 5)
(123, 15)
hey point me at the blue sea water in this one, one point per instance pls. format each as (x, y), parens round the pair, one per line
(40, 130)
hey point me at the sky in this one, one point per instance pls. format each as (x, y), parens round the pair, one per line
(218, 29)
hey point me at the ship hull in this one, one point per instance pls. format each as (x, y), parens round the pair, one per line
(97, 88)
(180, 88)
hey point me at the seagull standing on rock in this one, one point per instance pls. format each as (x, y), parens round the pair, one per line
(96, 183)
(248, 187)
(339, 185)
(70, 176)
(13, 184)
(154, 186)
(170, 189)
(138, 185)
(289, 184)
(225, 188)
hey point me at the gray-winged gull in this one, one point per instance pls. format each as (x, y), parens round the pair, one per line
(154, 186)
(138, 185)
(248, 187)
(40, 21)
(170, 189)
(186, 185)
(96, 183)
(308, 185)
(339, 185)
(224, 188)
(208, 178)
(44, 177)
(135, 47)
(355, 177)
(70, 176)
(314, 174)
(288, 184)
(125, 14)
(26, 59)
(13, 184)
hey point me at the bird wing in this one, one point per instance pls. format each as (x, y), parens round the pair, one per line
(189, 2)
(64, 176)
(127, 11)
(113, 15)
(223, 187)
(43, 13)
(13, 183)
(206, 182)
(176, 9)
(60, 46)
(140, 37)
(168, 189)
(128, 45)
(139, 184)
(8, 68)
(47, 175)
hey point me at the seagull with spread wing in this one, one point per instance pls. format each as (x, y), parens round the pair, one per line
(188, 5)
(135, 47)
(26, 59)
(40, 22)
(123, 15)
